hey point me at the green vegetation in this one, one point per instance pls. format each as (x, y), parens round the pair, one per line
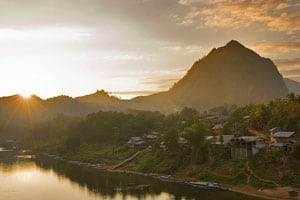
(281, 113)
(109, 154)
(296, 151)
(196, 137)
(102, 138)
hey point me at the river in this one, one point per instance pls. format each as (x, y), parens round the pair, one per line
(24, 178)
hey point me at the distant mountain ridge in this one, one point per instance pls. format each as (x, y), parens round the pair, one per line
(292, 85)
(232, 74)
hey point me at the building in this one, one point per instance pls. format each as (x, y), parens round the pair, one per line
(216, 140)
(182, 141)
(150, 136)
(136, 142)
(217, 128)
(284, 137)
(242, 148)
(283, 140)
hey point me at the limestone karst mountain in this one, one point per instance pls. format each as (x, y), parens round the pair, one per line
(231, 74)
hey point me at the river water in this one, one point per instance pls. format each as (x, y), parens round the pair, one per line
(22, 178)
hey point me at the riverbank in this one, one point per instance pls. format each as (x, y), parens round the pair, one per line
(277, 193)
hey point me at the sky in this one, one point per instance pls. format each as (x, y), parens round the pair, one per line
(133, 47)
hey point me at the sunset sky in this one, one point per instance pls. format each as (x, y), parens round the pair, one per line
(133, 47)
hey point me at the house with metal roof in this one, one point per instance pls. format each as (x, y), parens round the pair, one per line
(136, 142)
(216, 140)
(242, 148)
(284, 137)
(283, 140)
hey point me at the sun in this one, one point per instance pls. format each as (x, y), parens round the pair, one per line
(26, 95)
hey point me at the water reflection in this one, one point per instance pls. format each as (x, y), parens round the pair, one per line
(107, 184)
(51, 179)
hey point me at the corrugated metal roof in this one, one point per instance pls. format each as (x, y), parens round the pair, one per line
(280, 144)
(283, 134)
(249, 138)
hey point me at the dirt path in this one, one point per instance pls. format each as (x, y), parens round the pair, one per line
(259, 178)
(127, 160)
(279, 193)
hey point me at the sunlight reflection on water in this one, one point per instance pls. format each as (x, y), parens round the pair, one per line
(45, 179)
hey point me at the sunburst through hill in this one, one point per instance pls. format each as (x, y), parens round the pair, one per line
(19, 109)
(26, 95)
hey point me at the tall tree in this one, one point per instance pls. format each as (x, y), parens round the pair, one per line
(196, 137)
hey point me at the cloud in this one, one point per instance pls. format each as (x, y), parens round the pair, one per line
(161, 84)
(133, 93)
(289, 67)
(273, 15)
(275, 48)
(131, 56)
(45, 34)
(292, 72)
(185, 48)
(190, 2)
(288, 63)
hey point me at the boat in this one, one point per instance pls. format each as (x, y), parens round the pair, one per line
(206, 185)
(166, 178)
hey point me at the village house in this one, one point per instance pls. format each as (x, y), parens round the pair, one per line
(136, 142)
(213, 119)
(284, 137)
(217, 128)
(242, 148)
(282, 140)
(150, 136)
(140, 142)
(155, 133)
(182, 141)
(217, 140)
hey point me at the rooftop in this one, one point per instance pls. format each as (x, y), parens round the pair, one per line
(280, 144)
(216, 139)
(217, 126)
(283, 134)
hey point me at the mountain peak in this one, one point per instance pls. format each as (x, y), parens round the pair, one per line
(232, 74)
(234, 43)
(234, 48)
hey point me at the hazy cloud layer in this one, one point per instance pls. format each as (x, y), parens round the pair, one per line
(276, 48)
(289, 67)
(274, 15)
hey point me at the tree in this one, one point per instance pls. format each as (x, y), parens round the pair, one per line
(260, 116)
(296, 151)
(196, 137)
(188, 115)
(170, 138)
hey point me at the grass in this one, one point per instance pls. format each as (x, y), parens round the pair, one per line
(157, 161)
(260, 184)
(239, 179)
(108, 154)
